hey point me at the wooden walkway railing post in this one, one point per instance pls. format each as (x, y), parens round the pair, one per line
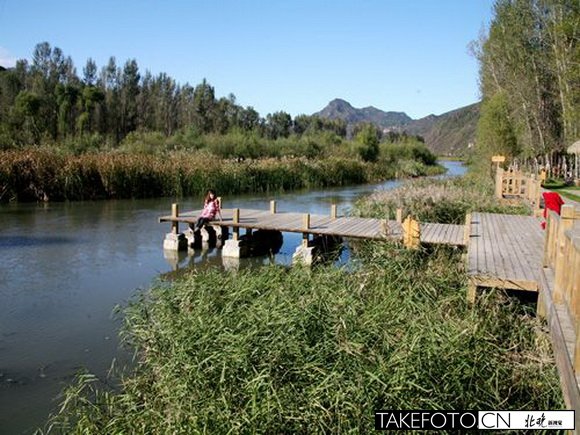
(306, 226)
(236, 220)
(411, 233)
(574, 292)
(333, 211)
(467, 229)
(273, 207)
(560, 269)
(175, 214)
(399, 216)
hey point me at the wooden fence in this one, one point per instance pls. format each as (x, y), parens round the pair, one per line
(515, 183)
(559, 299)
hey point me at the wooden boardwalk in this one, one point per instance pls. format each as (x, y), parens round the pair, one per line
(505, 251)
(348, 227)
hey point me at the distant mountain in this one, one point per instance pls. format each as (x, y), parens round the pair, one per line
(450, 133)
(340, 109)
(446, 134)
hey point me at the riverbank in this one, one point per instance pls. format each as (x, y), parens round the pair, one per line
(296, 350)
(47, 175)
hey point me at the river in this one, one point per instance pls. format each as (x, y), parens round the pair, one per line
(65, 266)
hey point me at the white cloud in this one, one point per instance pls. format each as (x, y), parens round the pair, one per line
(6, 58)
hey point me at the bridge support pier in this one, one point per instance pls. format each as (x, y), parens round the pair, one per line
(175, 242)
(310, 252)
(253, 244)
(209, 236)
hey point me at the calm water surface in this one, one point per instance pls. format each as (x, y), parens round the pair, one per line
(65, 266)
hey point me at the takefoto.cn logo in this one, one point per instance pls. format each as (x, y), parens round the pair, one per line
(409, 420)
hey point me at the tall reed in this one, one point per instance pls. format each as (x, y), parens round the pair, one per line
(44, 174)
(443, 201)
(297, 351)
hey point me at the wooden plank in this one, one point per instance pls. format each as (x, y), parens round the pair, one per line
(528, 243)
(503, 251)
(510, 259)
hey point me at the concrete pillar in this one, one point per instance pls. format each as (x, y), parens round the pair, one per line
(235, 248)
(304, 255)
(175, 242)
(317, 249)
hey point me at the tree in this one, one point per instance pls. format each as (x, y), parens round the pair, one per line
(368, 137)
(495, 130)
(90, 72)
(203, 106)
(278, 124)
(129, 93)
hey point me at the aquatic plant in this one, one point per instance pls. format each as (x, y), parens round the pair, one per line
(43, 174)
(298, 351)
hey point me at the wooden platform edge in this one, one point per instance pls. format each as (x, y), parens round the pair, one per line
(508, 284)
(568, 381)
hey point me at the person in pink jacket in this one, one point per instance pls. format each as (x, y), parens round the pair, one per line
(211, 207)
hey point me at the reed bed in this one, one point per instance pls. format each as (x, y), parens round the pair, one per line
(443, 201)
(299, 351)
(47, 175)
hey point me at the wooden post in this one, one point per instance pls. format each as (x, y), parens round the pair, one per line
(471, 291)
(570, 277)
(574, 307)
(542, 176)
(575, 279)
(385, 227)
(399, 216)
(305, 225)
(499, 182)
(548, 240)
(175, 215)
(411, 233)
(236, 220)
(333, 213)
(566, 222)
(467, 229)
(273, 207)
(497, 159)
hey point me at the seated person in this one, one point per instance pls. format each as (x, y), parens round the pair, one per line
(211, 207)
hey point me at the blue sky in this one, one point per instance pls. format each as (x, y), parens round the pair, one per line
(296, 56)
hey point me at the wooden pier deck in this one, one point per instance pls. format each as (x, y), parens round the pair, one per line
(505, 251)
(348, 227)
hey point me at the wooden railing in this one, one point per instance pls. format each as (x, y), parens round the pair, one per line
(518, 184)
(559, 299)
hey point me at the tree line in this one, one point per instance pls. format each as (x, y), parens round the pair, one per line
(46, 101)
(530, 78)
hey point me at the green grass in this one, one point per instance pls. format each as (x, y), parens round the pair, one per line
(300, 351)
(569, 195)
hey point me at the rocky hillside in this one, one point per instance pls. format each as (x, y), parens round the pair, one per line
(446, 134)
(450, 133)
(340, 109)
